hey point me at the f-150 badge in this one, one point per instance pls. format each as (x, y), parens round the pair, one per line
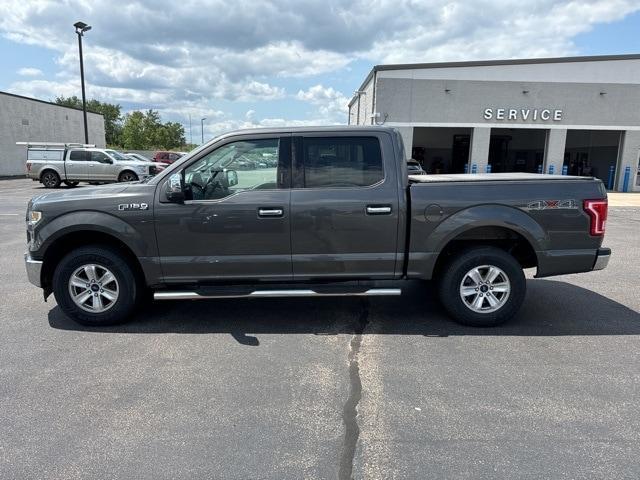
(133, 206)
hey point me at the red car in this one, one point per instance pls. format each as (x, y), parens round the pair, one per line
(166, 157)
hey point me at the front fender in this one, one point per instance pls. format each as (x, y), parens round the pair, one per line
(88, 220)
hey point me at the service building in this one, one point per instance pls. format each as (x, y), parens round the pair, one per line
(574, 115)
(24, 119)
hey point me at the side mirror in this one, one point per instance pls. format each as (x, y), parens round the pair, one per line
(174, 189)
(231, 177)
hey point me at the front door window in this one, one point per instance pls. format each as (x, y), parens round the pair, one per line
(233, 168)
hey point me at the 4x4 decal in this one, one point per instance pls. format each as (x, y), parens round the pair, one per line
(551, 204)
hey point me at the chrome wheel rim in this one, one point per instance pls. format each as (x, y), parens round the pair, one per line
(485, 289)
(94, 288)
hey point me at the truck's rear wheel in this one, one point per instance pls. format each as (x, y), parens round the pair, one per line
(50, 179)
(95, 286)
(482, 287)
(128, 177)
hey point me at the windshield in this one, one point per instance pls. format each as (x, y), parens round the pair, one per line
(117, 155)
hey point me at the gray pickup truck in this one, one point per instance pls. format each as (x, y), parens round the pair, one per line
(311, 212)
(54, 163)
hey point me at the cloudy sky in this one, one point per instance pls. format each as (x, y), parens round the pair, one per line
(271, 62)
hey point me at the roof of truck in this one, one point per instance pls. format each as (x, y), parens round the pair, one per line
(310, 129)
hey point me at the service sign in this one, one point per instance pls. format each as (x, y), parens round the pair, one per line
(523, 114)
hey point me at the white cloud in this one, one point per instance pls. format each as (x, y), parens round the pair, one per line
(331, 103)
(30, 72)
(186, 57)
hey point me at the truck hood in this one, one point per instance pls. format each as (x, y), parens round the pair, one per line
(133, 163)
(91, 193)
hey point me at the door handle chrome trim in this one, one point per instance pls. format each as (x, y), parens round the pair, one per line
(270, 212)
(378, 210)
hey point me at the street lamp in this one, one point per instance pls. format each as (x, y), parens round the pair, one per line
(202, 127)
(82, 27)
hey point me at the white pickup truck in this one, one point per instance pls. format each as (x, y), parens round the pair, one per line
(54, 163)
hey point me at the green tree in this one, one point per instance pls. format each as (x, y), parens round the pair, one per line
(143, 131)
(110, 111)
(133, 132)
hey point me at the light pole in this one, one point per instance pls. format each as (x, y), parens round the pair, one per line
(82, 27)
(202, 127)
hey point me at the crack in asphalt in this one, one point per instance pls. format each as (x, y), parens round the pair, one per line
(350, 411)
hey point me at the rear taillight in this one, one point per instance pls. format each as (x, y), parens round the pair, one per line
(28, 166)
(597, 211)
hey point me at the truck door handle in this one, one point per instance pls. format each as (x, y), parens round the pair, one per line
(378, 210)
(270, 212)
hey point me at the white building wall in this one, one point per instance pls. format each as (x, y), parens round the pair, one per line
(28, 120)
(629, 157)
(365, 104)
(625, 71)
(554, 150)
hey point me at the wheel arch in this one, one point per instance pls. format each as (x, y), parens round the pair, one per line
(49, 168)
(72, 230)
(74, 239)
(501, 226)
(127, 170)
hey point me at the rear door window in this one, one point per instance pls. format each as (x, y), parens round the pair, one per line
(341, 162)
(80, 155)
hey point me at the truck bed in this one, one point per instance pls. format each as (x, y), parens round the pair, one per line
(489, 177)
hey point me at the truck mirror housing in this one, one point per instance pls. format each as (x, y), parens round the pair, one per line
(174, 189)
(231, 177)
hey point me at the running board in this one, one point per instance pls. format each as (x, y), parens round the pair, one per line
(180, 295)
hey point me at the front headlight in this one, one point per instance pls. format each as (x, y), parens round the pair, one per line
(34, 217)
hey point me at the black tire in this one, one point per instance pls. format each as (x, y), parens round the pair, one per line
(103, 257)
(50, 179)
(70, 183)
(128, 176)
(455, 272)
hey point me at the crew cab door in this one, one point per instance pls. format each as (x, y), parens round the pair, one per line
(344, 206)
(100, 167)
(235, 221)
(75, 165)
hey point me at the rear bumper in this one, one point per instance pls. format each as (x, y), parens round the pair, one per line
(563, 262)
(34, 270)
(602, 258)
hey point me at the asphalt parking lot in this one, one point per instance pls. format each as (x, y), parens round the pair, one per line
(289, 389)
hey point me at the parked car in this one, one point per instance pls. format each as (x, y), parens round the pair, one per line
(414, 168)
(52, 164)
(337, 215)
(167, 157)
(141, 158)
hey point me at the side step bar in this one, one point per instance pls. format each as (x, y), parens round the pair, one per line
(184, 295)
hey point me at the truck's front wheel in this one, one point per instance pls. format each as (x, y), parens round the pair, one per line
(482, 287)
(128, 177)
(95, 286)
